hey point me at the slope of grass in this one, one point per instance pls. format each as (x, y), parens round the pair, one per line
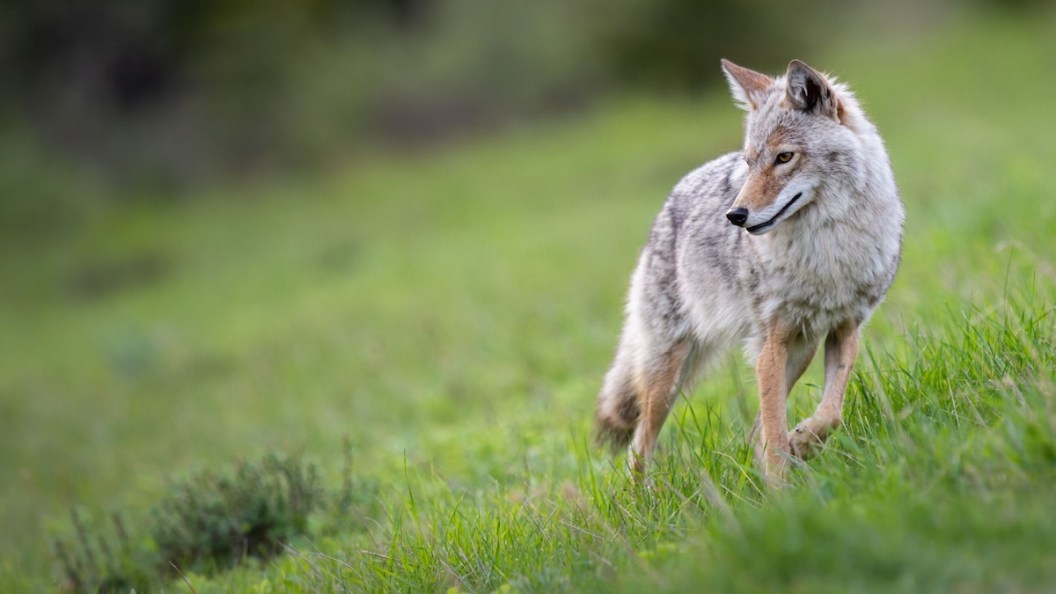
(452, 316)
(912, 497)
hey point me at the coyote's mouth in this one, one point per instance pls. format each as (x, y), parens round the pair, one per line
(763, 226)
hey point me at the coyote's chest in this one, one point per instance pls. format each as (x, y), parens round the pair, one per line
(820, 279)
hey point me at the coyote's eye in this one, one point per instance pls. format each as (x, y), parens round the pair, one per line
(783, 158)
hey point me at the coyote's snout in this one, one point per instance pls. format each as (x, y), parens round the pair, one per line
(813, 191)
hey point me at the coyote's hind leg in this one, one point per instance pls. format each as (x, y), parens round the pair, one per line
(658, 385)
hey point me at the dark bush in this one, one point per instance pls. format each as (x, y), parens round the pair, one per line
(213, 520)
(208, 522)
(677, 43)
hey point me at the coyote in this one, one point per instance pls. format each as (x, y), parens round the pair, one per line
(793, 240)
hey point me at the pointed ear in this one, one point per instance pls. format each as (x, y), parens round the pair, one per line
(747, 86)
(808, 90)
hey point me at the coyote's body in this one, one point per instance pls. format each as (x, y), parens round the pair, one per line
(813, 246)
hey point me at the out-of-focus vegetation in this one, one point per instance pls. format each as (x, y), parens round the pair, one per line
(451, 311)
(207, 523)
(117, 101)
(159, 94)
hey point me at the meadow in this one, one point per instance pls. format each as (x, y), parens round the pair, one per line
(443, 320)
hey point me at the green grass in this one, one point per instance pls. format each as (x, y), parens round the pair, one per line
(452, 315)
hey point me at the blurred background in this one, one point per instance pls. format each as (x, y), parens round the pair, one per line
(153, 99)
(232, 226)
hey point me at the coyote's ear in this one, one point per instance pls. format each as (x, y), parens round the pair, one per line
(748, 86)
(808, 90)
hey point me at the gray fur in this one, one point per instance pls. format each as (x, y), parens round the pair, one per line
(829, 258)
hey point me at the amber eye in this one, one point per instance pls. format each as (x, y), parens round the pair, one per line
(783, 158)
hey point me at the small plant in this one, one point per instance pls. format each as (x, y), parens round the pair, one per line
(99, 562)
(208, 522)
(356, 503)
(213, 520)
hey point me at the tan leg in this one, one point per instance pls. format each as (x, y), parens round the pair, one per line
(841, 349)
(800, 354)
(772, 372)
(657, 393)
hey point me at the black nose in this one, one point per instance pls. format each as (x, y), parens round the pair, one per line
(738, 216)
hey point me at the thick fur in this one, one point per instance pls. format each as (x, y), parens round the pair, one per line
(822, 245)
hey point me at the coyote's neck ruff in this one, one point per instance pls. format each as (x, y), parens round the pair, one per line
(792, 241)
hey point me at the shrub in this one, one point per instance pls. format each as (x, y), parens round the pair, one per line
(213, 520)
(208, 522)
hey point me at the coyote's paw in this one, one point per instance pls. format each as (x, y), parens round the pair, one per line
(775, 467)
(808, 438)
(638, 465)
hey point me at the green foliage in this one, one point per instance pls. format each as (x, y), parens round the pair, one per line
(207, 522)
(96, 561)
(214, 519)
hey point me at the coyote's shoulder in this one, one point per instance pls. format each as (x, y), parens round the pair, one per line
(791, 241)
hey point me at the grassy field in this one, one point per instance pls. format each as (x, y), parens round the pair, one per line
(452, 315)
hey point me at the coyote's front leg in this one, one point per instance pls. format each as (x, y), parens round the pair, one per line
(841, 349)
(771, 372)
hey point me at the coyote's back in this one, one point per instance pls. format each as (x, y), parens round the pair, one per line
(790, 241)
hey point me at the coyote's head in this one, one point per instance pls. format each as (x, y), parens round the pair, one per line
(798, 140)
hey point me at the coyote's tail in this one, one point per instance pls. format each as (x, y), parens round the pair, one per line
(618, 409)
